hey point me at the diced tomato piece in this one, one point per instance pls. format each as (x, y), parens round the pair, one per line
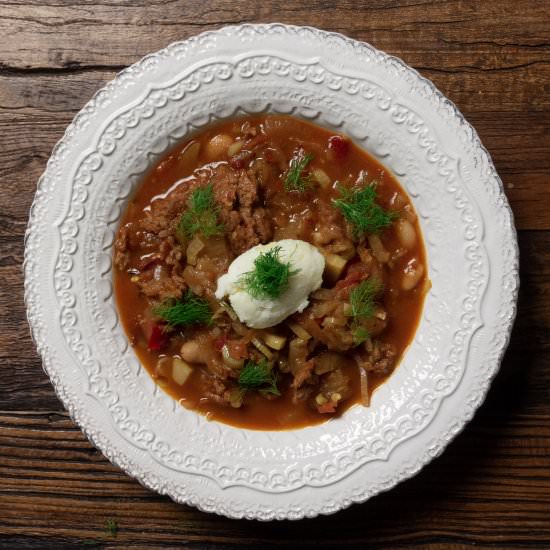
(158, 338)
(329, 407)
(237, 163)
(238, 349)
(351, 278)
(339, 147)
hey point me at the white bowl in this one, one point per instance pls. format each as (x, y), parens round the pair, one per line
(389, 110)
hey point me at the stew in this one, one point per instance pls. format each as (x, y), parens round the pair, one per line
(269, 273)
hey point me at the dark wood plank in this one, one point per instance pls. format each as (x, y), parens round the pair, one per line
(491, 487)
(468, 36)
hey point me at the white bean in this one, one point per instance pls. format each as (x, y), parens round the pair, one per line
(412, 274)
(405, 233)
(191, 352)
(217, 147)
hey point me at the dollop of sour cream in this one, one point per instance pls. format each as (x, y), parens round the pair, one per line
(263, 313)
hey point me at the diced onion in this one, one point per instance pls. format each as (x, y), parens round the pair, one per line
(239, 328)
(195, 246)
(329, 361)
(180, 371)
(320, 399)
(322, 177)
(298, 330)
(297, 352)
(262, 347)
(335, 397)
(231, 361)
(274, 341)
(380, 314)
(229, 310)
(234, 148)
(334, 266)
(218, 313)
(330, 321)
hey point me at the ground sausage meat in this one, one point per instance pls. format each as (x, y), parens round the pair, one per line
(246, 223)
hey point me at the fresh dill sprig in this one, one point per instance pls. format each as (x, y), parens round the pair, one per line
(190, 310)
(295, 179)
(363, 298)
(112, 527)
(270, 277)
(201, 215)
(258, 376)
(360, 334)
(360, 209)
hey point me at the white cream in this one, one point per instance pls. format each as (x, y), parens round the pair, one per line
(263, 313)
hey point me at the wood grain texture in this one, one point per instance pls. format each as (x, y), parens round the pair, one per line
(491, 487)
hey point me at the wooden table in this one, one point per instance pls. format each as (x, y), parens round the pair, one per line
(492, 485)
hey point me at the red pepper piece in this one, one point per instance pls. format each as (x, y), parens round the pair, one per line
(237, 162)
(220, 342)
(158, 339)
(339, 146)
(238, 349)
(352, 278)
